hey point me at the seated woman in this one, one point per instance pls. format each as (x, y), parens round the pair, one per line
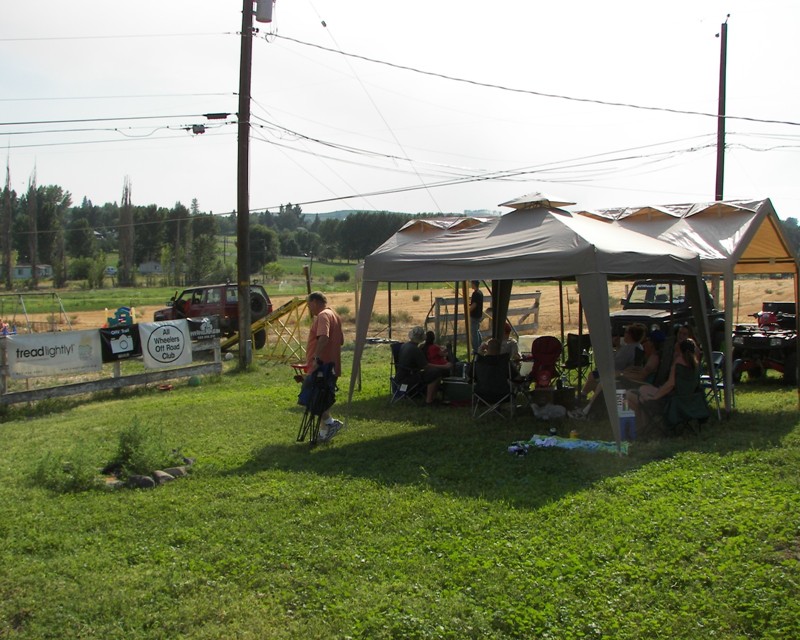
(413, 367)
(652, 360)
(435, 354)
(624, 357)
(681, 386)
(506, 345)
(511, 347)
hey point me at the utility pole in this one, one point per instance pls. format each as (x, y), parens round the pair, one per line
(243, 187)
(263, 14)
(723, 55)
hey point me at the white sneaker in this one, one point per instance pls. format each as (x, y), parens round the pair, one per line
(328, 430)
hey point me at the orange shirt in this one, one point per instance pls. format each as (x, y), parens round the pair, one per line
(326, 323)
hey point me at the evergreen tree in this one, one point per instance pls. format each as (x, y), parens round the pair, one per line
(127, 275)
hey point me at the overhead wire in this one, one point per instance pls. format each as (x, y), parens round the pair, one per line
(542, 94)
(120, 97)
(254, 128)
(463, 173)
(374, 104)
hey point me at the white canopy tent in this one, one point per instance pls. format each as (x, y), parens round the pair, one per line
(535, 241)
(730, 237)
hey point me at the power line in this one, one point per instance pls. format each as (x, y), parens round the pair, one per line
(118, 37)
(73, 121)
(121, 97)
(532, 92)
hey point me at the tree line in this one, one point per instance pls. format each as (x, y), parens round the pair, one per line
(42, 227)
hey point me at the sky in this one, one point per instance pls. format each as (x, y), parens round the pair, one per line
(434, 106)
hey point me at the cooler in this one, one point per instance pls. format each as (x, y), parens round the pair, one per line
(627, 417)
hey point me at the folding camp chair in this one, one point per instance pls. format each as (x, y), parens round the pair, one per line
(317, 394)
(545, 352)
(716, 385)
(403, 383)
(579, 357)
(492, 385)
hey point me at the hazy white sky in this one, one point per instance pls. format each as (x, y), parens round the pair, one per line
(338, 132)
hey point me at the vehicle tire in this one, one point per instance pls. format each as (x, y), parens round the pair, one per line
(259, 339)
(755, 373)
(790, 369)
(258, 306)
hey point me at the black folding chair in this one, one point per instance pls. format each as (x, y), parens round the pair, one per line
(404, 384)
(317, 395)
(492, 385)
(579, 357)
(716, 385)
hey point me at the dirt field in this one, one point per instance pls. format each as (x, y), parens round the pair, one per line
(748, 294)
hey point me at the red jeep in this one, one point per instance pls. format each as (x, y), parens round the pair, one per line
(218, 300)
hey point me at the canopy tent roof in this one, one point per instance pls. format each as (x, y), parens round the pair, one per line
(541, 243)
(736, 236)
(535, 241)
(535, 200)
(731, 237)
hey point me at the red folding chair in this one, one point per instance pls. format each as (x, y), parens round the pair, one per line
(545, 353)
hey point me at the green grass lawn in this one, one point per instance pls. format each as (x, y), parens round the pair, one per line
(412, 523)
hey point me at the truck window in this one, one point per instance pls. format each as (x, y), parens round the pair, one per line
(642, 293)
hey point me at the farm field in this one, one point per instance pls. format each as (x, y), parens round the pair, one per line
(415, 302)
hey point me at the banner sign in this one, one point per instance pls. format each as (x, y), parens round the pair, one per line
(204, 328)
(52, 354)
(165, 344)
(120, 343)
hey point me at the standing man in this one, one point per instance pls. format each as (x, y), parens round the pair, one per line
(475, 315)
(324, 345)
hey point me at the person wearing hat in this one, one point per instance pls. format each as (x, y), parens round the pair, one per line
(414, 368)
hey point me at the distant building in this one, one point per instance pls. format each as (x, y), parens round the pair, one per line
(25, 272)
(150, 268)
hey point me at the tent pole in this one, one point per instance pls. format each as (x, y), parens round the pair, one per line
(467, 322)
(561, 312)
(580, 340)
(797, 329)
(389, 293)
(455, 320)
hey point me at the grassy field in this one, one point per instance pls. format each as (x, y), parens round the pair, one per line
(330, 276)
(413, 523)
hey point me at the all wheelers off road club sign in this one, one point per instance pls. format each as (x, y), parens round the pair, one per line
(160, 344)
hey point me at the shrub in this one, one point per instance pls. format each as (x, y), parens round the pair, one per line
(402, 316)
(415, 298)
(71, 475)
(343, 311)
(141, 451)
(274, 271)
(342, 276)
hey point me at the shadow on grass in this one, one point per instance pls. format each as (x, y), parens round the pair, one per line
(444, 450)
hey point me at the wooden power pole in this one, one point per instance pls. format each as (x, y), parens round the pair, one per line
(243, 187)
(723, 55)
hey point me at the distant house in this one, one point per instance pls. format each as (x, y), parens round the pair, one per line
(24, 271)
(150, 268)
